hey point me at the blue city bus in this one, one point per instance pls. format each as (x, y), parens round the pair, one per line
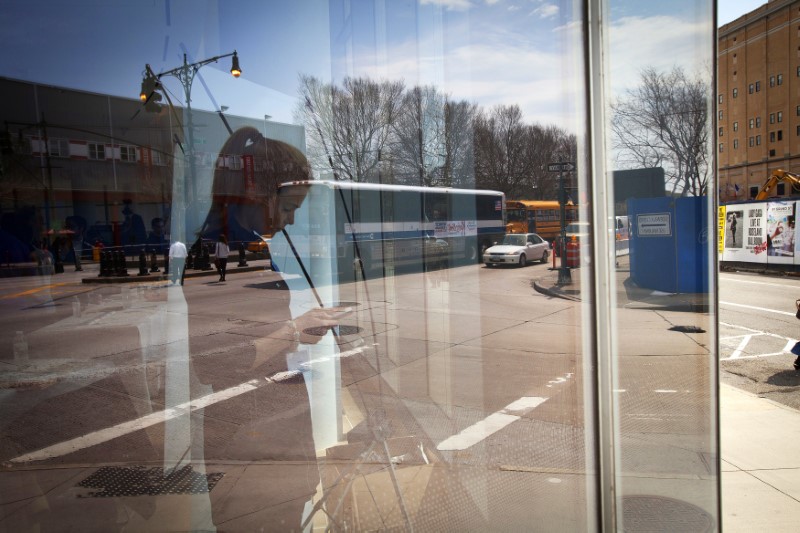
(364, 229)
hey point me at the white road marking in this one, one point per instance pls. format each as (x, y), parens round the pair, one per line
(758, 308)
(104, 435)
(729, 278)
(490, 425)
(666, 391)
(738, 351)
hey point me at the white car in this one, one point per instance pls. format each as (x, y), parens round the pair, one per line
(517, 249)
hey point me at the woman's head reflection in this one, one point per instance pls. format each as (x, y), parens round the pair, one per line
(249, 170)
(289, 200)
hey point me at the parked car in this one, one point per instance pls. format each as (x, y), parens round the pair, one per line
(517, 249)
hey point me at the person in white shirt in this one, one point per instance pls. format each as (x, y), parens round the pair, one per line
(221, 254)
(177, 261)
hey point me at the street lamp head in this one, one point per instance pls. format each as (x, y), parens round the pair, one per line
(235, 69)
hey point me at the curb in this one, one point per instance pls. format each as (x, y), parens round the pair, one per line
(160, 276)
(555, 293)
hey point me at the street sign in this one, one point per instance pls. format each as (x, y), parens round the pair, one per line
(560, 167)
(654, 225)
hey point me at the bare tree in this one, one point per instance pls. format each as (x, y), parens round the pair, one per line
(433, 140)
(459, 161)
(418, 151)
(512, 157)
(664, 123)
(349, 126)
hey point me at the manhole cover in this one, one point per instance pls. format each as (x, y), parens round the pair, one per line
(658, 513)
(114, 481)
(687, 329)
(340, 331)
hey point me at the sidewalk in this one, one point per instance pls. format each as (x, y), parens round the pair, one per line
(90, 272)
(760, 463)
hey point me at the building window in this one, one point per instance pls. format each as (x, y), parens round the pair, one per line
(758, 140)
(97, 151)
(751, 141)
(758, 86)
(798, 111)
(127, 153)
(780, 135)
(772, 118)
(720, 115)
(720, 99)
(772, 136)
(58, 147)
(780, 79)
(751, 123)
(720, 147)
(780, 116)
(735, 126)
(158, 158)
(735, 92)
(781, 188)
(735, 144)
(750, 88)
(758, 122)
(798, 131)
(720, 132)
(753, 192)
(772, 81)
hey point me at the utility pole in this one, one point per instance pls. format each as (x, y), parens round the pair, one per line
(151, 83)
(564, 275)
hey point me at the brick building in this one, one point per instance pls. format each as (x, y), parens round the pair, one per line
(758, 109)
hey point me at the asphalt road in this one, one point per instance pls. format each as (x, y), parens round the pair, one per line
(475, 382)
(758, 327)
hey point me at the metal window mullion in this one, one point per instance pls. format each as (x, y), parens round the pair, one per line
(603, 286)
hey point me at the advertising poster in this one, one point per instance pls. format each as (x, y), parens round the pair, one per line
(745, 233)
(780, 235)
(721, 229)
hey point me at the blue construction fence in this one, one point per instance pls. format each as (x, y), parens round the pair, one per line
(669, 244)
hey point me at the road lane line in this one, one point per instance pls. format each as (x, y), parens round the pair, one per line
(727, 278)
(490, 425)
(33, 291)
(759, 308)
(739, 349)
(125, 428)
(104, 435)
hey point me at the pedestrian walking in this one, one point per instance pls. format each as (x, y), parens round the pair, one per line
(177, 261)
(796, 349)
(221, 256)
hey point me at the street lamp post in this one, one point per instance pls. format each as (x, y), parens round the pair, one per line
(185, 75)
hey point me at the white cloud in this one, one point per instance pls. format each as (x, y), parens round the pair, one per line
(637, 43)
(454, 5)
(546, 11)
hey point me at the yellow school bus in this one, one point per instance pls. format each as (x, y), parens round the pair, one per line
(537, 216)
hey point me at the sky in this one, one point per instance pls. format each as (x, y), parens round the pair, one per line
(730, 10)
(493, 52)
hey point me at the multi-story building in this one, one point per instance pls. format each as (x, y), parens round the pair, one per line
(108, 161)
(758, 110)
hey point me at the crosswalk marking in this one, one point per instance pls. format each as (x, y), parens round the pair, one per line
(490, 425)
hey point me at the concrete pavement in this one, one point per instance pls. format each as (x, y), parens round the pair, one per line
(760, 463)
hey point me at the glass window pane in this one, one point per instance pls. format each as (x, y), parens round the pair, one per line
(267, 274)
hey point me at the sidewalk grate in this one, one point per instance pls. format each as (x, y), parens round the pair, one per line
(114, 481)
(659, 513)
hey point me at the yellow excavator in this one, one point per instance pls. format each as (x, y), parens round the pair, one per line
(777, 176)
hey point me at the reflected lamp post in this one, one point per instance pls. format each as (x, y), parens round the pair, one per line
(150, 96)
